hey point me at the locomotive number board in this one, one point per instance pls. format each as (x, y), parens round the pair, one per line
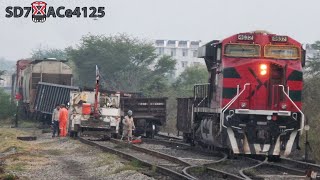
(279, 38)
(245, 37)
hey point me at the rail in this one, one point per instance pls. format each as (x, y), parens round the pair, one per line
(242, 171)
(228, 105)
(160, 169)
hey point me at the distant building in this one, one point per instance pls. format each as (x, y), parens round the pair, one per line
(185, 52)
(6, 82)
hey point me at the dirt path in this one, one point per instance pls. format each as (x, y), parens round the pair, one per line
(68, 159)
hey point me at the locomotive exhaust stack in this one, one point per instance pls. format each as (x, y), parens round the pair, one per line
(252, 102)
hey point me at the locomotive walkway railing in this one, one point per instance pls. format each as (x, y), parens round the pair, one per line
(223, 110)
(201, 95)
(302, 115)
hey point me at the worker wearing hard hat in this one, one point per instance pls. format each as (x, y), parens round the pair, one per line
(63, 119)
(128, 126)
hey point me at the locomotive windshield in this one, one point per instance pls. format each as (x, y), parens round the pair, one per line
(281, 52)
(242, 50)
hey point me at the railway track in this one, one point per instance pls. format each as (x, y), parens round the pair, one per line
(169, 166)
(300, 165)
(168, 142)
(177, 160)
(175, 163)
(184, 153)
(168, 136)
(285, 169)
(199, 161)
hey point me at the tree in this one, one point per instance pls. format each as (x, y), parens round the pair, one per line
(182, 87)
(311, 96)
(189, 77)
(2, 73)
(6, 107)
(311, 93)
(125, 63)
(48, 53)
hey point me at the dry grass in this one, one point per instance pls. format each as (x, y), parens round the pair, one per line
(8, 176)
(199, 170)
(105, 159)
(19, 155)
(132, 165)
(54, 152)
(9, 141)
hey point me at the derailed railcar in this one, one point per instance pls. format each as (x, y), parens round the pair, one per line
(30, 72)
(48, 95)
(252, 102)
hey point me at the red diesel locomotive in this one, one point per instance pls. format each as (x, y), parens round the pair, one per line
(252, 102)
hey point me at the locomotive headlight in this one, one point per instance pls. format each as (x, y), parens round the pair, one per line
(243, 104)
(269, 118)
(284, 106)
(263, 69)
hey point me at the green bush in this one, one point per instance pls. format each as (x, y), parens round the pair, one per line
(7, 109)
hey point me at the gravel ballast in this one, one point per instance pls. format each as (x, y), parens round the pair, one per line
(66, 158)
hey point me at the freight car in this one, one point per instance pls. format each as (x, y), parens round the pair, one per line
(252, 101)
(148, 113)
(31, 95)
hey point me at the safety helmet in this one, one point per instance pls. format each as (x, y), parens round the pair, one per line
(130, 113)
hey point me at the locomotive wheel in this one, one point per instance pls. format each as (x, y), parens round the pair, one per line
(187, 138)
(152, 132)
(231, 155)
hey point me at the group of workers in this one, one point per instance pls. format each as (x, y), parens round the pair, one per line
(60, 120)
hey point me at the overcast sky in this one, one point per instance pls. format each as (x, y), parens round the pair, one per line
(159, 19)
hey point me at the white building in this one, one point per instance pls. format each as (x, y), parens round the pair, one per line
(6, 82)
(185, 52)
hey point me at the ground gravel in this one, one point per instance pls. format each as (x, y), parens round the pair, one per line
(68, 159)
(190, 156)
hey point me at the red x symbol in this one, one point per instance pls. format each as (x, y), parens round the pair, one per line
(36, 9)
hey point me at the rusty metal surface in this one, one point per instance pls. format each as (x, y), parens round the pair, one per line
(63, 79)
(184, 114)
(146, 108)
(48, 95)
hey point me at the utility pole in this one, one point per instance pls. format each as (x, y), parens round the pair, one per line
(306, 144)
(17, 118)
(18, 98)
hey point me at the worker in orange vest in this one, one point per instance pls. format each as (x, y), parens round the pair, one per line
(63, 120)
